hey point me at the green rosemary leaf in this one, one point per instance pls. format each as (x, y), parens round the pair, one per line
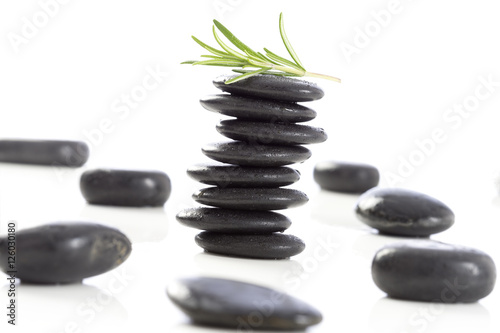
(269, 72)
(281, 60)
(220, 62)
(188, 62)
(247, 75)
(268, 63)
(236, 42)
(287, 43)
(268, 59)
(209, 48)
(227, 48)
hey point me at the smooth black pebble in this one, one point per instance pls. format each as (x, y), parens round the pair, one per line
(251, 198)
(65, 252)
(233, 221)
(403, 212)
(239, 305)
(346, 177)
(273, 87)
(266, 246)
(236, 176)
(424, 270)
(125, 187)
(242, 153)
(271, 133)
(44, 152)
(257, 109)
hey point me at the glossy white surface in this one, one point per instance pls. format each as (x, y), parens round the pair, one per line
(397, 90)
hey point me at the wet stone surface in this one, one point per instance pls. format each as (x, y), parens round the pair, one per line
(271, 133)
(55, 153)
(244, 154)
(233, 221)
(272, 87)
(251, 198)
(236, 176)
(403, 212)
(346, 177)
(233, 304)
(66, 252)
(424, 270)
(265, 246)
(257, 109)
(125, 187)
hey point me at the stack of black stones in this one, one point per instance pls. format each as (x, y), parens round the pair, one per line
(247, 186)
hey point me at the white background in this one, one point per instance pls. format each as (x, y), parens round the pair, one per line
(67, 78)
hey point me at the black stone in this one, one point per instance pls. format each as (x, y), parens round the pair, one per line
(267, 246)
(44, 152)
(65, 252)
(271, 133)
(272, 87)
(242, 153)
(257, 109)
(250, 198)
(240, 305)
(236, 176)
(125, 187)
(233, 221)
(346, 177)
(424, 270)
(403, 212)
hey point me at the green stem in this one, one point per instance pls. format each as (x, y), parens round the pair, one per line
(323, 76)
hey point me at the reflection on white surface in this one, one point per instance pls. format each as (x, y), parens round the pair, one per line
(336, 209)
(271, 273)
(191, 328)
(366, 245)
(140, 224)
(418, 317)
(57, 308)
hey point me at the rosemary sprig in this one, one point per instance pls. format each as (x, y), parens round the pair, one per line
(269, 63)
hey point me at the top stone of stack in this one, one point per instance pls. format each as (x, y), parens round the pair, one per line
(271, 87)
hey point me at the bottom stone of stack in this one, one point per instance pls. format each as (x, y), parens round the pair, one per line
(263, 246)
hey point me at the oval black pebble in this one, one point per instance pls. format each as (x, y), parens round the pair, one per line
(242, 153)
(257, 109)
(424, 270)
(239, 305)
(236, 176)
(273, 87)
(267, 246)
(233, 221)
(125, 187)
(250, 198)
(66, 252)
(403, 212)
(271, 133)
(44, 152)
(346, 177)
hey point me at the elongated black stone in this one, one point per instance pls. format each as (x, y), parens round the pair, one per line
(236, 176)
(242, 153)
(234, 304)
(233, 221)
(266, 246)
(346, 177)
(65, 252)
(44, 152)
(424, 270)
(250, 198)
(125, 187)
(271, 133)
(257, 109)
(272, 87)
(403, 212)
